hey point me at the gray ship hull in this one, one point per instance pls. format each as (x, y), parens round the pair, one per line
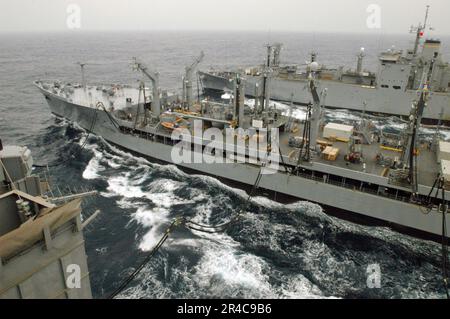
(316, 190)
(340, 95)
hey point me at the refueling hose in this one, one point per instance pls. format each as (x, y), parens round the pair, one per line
(182, 221)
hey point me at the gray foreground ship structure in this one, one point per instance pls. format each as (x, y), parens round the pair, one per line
(389, 90)
(398, 179)
(42, 251)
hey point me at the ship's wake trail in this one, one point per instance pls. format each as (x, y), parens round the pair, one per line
(273, 251)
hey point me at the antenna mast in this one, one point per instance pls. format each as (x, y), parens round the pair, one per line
(426, 17)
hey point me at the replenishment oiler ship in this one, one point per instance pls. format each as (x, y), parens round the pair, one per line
(389, 90)
(397, 179)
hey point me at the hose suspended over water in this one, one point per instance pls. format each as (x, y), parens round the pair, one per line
(125, 283)
(222, 227)
(182, 221)
(443, 208)
(439, 185)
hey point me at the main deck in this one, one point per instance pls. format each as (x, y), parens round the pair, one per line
(369, 170)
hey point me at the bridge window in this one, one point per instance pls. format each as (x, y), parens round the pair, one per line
(384, 86)
(397, 87)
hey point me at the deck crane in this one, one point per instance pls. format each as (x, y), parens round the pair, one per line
(312, 122)
(187, 81)
(316, 112)
(154, 78)
(83, 74)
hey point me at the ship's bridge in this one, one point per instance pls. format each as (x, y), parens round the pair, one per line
(393, 72)
(431, 49)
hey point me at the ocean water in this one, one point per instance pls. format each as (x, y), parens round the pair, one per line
(274, 251)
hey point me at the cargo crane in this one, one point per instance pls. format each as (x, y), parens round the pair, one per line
(187, 81)
(154, 78)
(316, 112)
(312, 122)
(83, 75)
(273, 60)
(239, 101)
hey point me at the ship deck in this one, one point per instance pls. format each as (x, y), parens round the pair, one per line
(111, 96)
(428, 167)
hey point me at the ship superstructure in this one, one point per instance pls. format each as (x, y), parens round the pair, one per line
(388, 90)
(42, 250)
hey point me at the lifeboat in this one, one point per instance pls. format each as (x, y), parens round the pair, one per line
(172, 122)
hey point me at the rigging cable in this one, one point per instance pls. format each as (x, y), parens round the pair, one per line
(198, 88)
(178, 221)
(137, 108)
(443, 208)
(305, 144)
(193, 226)
(282, 161)
(439, 185)
(222, 227)
(110, 117)
(427, 202)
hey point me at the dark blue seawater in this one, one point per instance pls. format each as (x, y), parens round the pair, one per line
(274, 251)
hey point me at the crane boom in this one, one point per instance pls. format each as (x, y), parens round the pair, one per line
(154, 78)
(187, 83)
(316, 113)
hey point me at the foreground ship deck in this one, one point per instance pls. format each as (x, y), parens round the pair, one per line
(42, 249)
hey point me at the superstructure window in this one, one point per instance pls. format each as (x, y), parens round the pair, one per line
(384, 86)
(397, 87)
